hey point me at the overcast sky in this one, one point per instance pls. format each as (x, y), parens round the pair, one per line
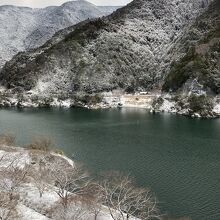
(44, 3)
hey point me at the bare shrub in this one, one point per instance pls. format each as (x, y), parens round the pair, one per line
(41, 143)
(7, 139)
(58, 151)
(8, 206)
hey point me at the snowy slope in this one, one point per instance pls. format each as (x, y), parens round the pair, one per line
(157, 46)
(22, 28)
(128, 49)
(25, 203)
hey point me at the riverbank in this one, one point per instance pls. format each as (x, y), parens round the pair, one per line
(20, 199)
(25, 194)
(37, 182)
(193, 105)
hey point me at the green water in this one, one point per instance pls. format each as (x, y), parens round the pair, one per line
(177, 157)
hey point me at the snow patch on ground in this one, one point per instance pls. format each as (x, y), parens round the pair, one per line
(31, 198)
(217, 109)
(19, 159)
(41, 86)
(29, 214)
(65, 158)
(129, 100)
(168, 106)
(32, 206)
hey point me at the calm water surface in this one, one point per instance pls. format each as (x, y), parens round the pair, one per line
(177, 157)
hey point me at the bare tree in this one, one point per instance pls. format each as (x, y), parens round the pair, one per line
(40, 172)
(124, 200)
(7, 139)
(40, 177)
(13, 175)
(8, 206)
(96, 205)
(68, 181)
(94, 199)
(76, 210)
(41, 143)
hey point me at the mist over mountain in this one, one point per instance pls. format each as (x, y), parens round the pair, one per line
(22, 28)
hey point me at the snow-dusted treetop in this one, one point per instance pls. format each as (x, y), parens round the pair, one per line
(22, 28)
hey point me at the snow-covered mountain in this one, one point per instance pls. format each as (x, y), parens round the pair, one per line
(22, 28)
(128, 49)
(149, 45)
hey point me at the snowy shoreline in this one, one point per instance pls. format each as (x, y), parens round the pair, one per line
(196, 105)
(30, 205)
(155, 103)
(29, 202)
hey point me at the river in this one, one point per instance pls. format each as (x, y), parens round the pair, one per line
(177, 157)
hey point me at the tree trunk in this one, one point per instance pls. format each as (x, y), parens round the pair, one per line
(65, 202)
(96, 215)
